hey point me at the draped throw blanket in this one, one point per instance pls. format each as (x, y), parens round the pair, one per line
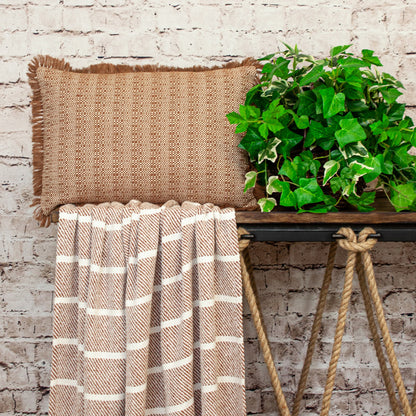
(148, 312)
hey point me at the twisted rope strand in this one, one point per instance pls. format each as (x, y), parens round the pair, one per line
(359, 259)
(250, 291)
(376, 339)
(339, 332)
(372, 285)
(316, 327)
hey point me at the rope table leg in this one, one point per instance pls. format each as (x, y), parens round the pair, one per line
(339, 332)
(376, 338)
(252, 299)
(316, 327)
(372, 285)
(358, 259)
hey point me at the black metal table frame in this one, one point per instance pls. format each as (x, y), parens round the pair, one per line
(325, 232)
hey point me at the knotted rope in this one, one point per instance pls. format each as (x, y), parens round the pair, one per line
(358, 259)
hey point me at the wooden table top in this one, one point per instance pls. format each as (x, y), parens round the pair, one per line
(344, 217)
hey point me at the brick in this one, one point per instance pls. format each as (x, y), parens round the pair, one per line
(268, 254)
(205, 17)
(14, 44)
(14, 119)
(15, 95)
(372, 39)
(6, 402)
(44, 377)
(13, 274)
(401, 303)
(375, 18)
(15, 144)
(33, 301)
(46, 44)
(45, 18)
(13, 19)
(170, 17)
(239, 18)
(25, 326)
(78, 19)
(44, 403)
(270, 18)
(12, 71)
(45, 2)
(323, 17)
(113, 3)
(253, 400)
(79, 2)
(26, 401)
(43, 352)
(21, 377)
(302, 302)
(17, 352)
(114, 23)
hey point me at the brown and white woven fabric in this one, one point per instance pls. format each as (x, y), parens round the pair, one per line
(147, 312)
(117, 133)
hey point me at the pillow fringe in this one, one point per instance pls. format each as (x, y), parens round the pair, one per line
(38, 128)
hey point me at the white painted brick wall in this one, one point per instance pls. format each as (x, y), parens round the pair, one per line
(184, 33)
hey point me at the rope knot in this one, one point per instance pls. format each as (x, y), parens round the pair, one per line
(242, 242)
(351, 244)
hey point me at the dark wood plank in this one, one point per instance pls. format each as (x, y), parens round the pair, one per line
(285, 217)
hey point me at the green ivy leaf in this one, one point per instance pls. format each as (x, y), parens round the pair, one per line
(401, 156)
(336, 184)
(357, 106)
(274, 184)
(331, 168)
(312, 76)
(375, 164)
(242, 127)
(350, 132)
(386, 165)
(288, 170)
(301, 122)
(267, 57)
(264, 131)
(287, 198)
(332, 103)
(251, 178)
(351, 62)
(267, 204)
(403, 197)
(252, 93)
(354, 149)
(309, 192)
(253, 143)
(289, 140)
(269, 152)
(391, 94)
(234, 118)
(307, 102)
(336, 50)
(368, 57)
(362, 202)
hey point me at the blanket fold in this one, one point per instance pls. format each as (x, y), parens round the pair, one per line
(147, 312)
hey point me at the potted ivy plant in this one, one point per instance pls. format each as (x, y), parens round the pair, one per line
(323, 134)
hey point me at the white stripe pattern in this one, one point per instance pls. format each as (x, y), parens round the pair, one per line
(130, 278)
(142, 387)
